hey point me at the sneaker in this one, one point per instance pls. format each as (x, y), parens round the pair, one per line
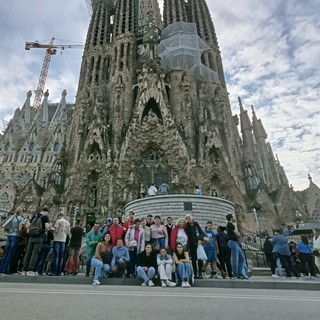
(150, 283)
(144, 284)
(234, 278)
(163, 283)
(187, 285)
(216, 276)
(96, 282)
(36, 274)
(170, 283)
(30, 273)
(275, 276)
(183, 284)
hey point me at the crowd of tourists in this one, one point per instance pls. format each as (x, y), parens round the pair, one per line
(176, 253)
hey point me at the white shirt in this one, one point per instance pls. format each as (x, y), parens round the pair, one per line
(152, 191)
(63, 229)
(316, 242)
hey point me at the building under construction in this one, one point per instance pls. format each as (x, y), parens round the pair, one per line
(152, 106)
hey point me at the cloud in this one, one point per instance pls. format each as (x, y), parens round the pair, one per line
(270, 53)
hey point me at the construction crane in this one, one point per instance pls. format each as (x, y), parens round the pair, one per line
(51, 50)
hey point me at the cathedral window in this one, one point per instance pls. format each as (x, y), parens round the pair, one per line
(7, 146)
(2, 178)
(57, 147)
(23, 179)
(31, 146)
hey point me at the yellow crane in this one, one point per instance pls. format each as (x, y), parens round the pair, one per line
(51, 49)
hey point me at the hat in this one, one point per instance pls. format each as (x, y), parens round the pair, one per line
(109, 219)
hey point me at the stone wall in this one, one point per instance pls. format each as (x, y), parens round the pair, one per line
(202, 208)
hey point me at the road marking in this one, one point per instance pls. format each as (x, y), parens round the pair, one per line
(164, 294)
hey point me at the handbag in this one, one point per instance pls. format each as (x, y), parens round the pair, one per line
(107, 257)
(201, 254)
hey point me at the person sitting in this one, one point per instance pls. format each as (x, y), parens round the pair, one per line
(183, 265)
(147, 266)
(101, 261)
(165, 267)
(120, 259)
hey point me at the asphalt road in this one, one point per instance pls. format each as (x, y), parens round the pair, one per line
(77, 302)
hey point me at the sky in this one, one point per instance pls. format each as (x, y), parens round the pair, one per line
(270, 51)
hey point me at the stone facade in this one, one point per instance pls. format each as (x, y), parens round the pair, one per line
(133, 124)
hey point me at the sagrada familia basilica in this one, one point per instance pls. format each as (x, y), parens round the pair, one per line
(152, 107)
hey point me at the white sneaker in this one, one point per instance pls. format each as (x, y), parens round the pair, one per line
(144, 284)
(216, 276)
(96, 282)
(36, 274)
(183, 284)
(150, 283)
(30, 273)
(170, 283)
(187, 285)
(163, 283)
(275, 276)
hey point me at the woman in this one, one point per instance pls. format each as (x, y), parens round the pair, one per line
(179, 235)
(194, 233)
(146, 229)
(135, 243)
(316, 247)
(305, 256)
(147, 266)
(159, 234)
(282, 251)
(211, 250)
(183, 265)
(165, 268)
(101, 261)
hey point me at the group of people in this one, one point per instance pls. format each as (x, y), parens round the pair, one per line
(149, 247)
(32, 243)
(299, 260)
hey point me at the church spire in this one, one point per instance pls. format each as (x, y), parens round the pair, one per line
(174, 11)
(147, 8)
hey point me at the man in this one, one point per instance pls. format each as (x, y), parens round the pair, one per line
(149, 220)
(152, 191)
(92, 240)
(238, 258)
(13, 238)
(164, 188)
(197, 191)
(169, 226)
(39, 224)
(105, 228)
(116, 231)
(129, 222)
(61, 230)
(72, 264)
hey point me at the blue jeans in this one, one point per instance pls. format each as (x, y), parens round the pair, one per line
(58, 257)
(238, 259)
(11, 249)
(184, 271)
(100, 268)
(42, 258)
(146, 276)
(161, 241)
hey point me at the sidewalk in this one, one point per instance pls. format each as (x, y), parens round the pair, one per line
(255, 282)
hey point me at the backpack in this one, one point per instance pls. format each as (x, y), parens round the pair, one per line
(35, 227)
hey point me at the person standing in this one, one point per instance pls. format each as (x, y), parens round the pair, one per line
(61, 230)
(305, 255)
(194, 233)
(169, 225)
(238, 258)
(159, 235)
(224, 254)
(282, 251)
(39, 225)
(129, 221)
(13, 238)
(116, 231)
(197, 191)
(316, 247)
(92, 240)
(73, 262)
(164, 188)
(152, 191)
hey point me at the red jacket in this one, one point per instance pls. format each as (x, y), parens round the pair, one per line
(173, 237)
(116, 232)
